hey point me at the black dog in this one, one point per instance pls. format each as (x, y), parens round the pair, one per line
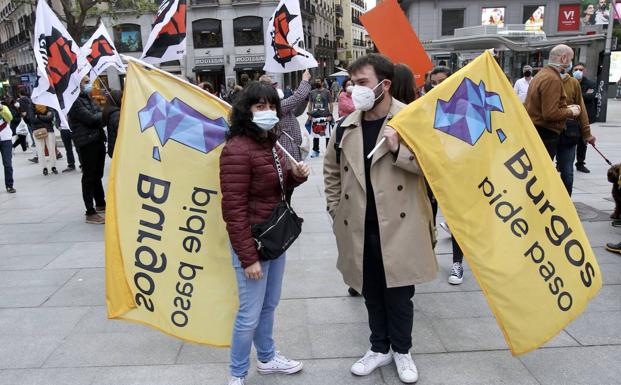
(613, 177)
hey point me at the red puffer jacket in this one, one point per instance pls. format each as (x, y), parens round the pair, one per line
(250, 190)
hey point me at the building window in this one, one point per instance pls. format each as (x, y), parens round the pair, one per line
(127, 38)
(207, 33)
(248, 30)
(451, 20)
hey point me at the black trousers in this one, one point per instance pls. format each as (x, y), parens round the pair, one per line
(65, 135)
(22, 140)
(391, 311)
(581, 152)
(550, 140)
(93, 158)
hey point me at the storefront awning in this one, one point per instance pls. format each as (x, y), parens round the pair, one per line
(210, 68)
(249, 66)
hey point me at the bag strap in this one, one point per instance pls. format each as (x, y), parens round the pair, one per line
(281, 177)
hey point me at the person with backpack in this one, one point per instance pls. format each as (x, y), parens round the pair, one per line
(382, 217)
(319, 108)
(6, 146)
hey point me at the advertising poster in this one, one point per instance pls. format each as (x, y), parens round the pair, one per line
(595, 12)
(493, 16)
(534, 17)
(569, 17)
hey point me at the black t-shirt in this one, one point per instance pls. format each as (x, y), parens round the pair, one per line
(370, 131)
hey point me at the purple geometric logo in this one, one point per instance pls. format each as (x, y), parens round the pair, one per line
(178, 121)
(468, 113)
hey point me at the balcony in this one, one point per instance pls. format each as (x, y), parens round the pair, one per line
(308, 9)
(207, 3)
(338, 10)
(339, 32)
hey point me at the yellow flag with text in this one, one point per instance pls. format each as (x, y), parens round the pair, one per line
(504, 202)
(168, 261)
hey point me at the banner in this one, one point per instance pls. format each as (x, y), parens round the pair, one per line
(168, 261)
(399, 42)
(60, 65)
(568, 17)
(504, 202)
(284, 40)
(100, 52)
(167, 40)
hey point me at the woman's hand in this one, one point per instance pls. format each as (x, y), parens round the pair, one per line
(254, 271)
(306, 75)
(300, 170)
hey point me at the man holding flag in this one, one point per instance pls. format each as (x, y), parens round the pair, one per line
(381, 215)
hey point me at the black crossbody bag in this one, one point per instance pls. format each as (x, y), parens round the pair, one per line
(276, 234)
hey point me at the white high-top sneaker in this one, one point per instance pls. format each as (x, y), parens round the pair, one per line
(279, 364)
(236, 381)
(406, 368)
(371, 361)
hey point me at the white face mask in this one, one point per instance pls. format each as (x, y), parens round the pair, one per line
(266, 120)
(364, 97)
(349, 89)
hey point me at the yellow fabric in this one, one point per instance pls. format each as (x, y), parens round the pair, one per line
(193, 296)
(485, 204)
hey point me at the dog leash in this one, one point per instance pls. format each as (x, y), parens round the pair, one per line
(602, 155)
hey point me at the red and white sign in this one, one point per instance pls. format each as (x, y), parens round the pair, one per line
(569, 17)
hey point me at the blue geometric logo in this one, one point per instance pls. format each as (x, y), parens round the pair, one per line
(468, 113)
(178, 121)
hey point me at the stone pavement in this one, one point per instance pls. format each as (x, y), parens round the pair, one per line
(54, 331)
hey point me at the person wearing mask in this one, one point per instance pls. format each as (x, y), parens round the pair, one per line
(576, 131)
(382, 217)
(546, 101)
(26, 110)
(290, 134)
(403, 85)
(590, 102)
(319, 106)
(22, 138)
(111, 116)
(43, 131)
(521, 85)
(251, 189)
(6, 147)
(89, 138)
(346, 104)
(65, 136)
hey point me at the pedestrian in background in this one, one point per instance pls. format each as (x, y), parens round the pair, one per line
(319, 106)
(403, 86)
(43, 131)
(6, 146)
(111, 117)
(251, 189)
(521, 85)
(589, 96)
(17, 124)
(89, 138)
(382, 259)
(346, 104)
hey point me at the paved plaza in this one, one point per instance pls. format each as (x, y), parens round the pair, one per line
(54, 330)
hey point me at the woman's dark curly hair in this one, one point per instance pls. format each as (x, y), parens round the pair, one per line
(241, 116)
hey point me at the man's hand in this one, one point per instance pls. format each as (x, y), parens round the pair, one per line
(254, 271)
(300, 170)
(392, 139)
(575, 109)
(590, 140)
(306, 75)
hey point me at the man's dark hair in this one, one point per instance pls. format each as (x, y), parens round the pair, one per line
(441, 70)
(383, 67)
(580, 64)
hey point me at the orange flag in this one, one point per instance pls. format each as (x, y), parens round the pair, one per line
(399, 42)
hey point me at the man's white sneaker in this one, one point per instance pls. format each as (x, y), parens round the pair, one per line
(406, 368)
(236, 381)
(371, 361)
(279, 364)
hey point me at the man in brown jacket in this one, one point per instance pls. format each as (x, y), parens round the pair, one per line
(382, 217)
(546, 101)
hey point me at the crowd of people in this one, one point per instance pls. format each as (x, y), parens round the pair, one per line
(91, 131)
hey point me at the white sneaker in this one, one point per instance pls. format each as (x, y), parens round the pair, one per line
(406, 368)
(279, 364)
(457, 274)
(236, 381)
(371, 361)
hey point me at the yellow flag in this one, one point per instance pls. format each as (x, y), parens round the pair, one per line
(168, 261)
(504, 202)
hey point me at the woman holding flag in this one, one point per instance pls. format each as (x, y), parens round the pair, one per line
(251, 190)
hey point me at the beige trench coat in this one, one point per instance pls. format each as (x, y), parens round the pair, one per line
(403, 208)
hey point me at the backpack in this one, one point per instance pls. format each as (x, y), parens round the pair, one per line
(337, 140)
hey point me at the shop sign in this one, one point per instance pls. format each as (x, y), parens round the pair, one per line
(246, 59)
(207, 61)
(569, 17)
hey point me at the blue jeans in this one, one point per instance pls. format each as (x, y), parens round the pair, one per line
(255, 318)
(566, 153)
(6, 150)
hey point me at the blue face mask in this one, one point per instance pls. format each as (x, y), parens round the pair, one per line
(88, 88)
(578, 75)
(266, 120)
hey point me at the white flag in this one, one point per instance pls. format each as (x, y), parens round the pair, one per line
(100, 52)
(60, 65)
(168, 38)
(284, 40)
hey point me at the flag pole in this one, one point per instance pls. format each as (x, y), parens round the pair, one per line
(287, 153)
(106, 88)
